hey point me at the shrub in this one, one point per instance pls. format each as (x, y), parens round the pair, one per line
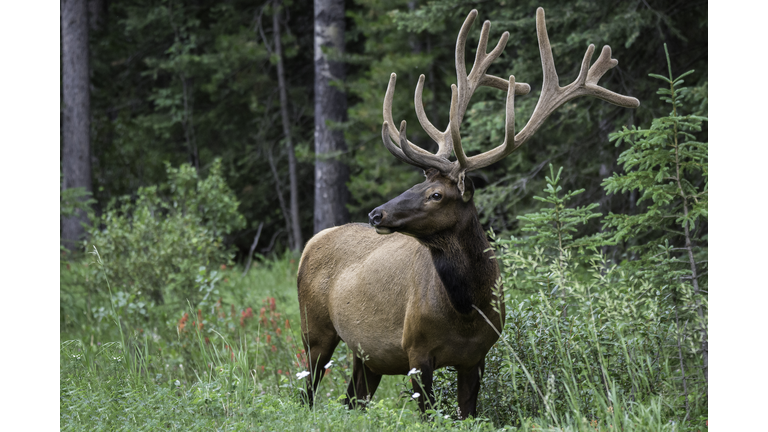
(587, 338)
(162, 247)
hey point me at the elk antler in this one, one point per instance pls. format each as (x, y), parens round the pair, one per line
(552, 97)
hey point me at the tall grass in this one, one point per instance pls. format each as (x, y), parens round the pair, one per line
(229, 369)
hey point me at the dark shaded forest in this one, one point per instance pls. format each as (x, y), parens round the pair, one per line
(195, 81)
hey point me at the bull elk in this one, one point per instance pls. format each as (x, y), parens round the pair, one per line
(406, 292)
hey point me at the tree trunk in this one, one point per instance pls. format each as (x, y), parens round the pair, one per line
(331, 175)
(75, 153)
(279, 192)
(298, 241)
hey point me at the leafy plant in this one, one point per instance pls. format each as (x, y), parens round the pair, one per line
(668, 236)
(163, 245)
(583, 337)
(74, 199)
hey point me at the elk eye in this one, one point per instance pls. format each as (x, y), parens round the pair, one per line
(436, 196)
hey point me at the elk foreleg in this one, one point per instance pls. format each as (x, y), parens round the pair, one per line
(363, 384)
(422, 383)
(469, 387)
(320, 350)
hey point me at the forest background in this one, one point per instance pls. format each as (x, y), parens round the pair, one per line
(192, 82)
(136, 120)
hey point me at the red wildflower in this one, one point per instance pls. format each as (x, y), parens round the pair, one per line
(287, 324)
(279, 371)
(274, 348)
(223, 266)
(248, 313)
(269, 339)
(183, 321)
(272, 303)
(279, 332)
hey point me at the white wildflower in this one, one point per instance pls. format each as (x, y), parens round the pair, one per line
(413, 371)
(329, 364)
(415, 395)
(301, 374)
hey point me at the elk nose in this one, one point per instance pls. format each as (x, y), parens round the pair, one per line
(374, 217)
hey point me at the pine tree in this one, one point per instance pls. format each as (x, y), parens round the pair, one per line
(667, 239)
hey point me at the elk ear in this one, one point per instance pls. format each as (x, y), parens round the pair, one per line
(466, 187)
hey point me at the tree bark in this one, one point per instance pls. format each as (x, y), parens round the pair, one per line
(298, 241)
(76, 122)
(331, 175)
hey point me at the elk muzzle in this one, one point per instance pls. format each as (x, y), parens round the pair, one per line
(375, 217)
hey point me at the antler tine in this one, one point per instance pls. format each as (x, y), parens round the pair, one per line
(601, 66)
(395, 150)
(462, 93)
(393, 132)
(467, 84)
(453, 128)
(461, 41)
(553, 96)
(484, 159)
(444, 150)
(424, 161)
(484, 61)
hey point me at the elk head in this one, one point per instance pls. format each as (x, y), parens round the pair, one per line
(428, 207)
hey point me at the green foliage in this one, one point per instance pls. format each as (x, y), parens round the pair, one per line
(160, 326)
(585, 338)
(74, 200)
(668, 237)
(225, 375)
(185, 82)
(553, 226)
(192, 82)
(669, 167)
(164, 244)
(576, 341)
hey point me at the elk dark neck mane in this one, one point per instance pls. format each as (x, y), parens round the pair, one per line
(466, 269)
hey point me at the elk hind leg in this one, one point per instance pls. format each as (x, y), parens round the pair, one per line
(469, 387)
(362, 386)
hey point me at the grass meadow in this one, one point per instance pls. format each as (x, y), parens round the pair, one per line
(235, 363)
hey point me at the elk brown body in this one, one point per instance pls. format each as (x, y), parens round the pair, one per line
(415, 289)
